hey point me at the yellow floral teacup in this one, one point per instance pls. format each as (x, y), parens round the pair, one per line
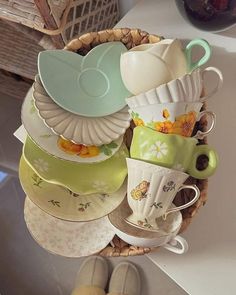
(172, 118)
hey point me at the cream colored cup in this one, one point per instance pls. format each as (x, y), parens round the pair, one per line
(151, 191)
(147, 66)
(173, 118)
(187, 88)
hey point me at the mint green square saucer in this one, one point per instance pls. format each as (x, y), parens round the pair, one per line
(88, 85)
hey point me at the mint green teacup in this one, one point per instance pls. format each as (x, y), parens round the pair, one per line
(172, 151)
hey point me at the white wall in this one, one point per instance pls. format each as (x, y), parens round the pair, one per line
(126, 5)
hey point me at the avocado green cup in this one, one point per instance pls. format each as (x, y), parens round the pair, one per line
(172, 151)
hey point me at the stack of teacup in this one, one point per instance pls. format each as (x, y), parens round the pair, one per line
(167, 100)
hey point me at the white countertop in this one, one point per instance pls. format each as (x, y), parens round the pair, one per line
(209, 268)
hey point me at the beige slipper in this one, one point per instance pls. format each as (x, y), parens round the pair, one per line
(92, 276)
(125, 279)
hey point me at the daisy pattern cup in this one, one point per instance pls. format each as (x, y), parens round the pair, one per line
(173, 118)
(172, 151)
(151, 191)
(148, 66)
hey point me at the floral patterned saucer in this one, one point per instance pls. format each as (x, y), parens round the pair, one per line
(70, 239)
(90, 178)
(62, 203)
(56, 145)
(79, 129)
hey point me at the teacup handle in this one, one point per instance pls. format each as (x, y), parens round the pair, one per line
(202, 134)
(188, 51)
(177, 245)
(190, 203)
(212, 162)
(218, 85)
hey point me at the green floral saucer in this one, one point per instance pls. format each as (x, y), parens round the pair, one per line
(103, 178)
(62, 203)
(88, 85)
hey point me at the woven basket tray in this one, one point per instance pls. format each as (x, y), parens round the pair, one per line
(131, 38)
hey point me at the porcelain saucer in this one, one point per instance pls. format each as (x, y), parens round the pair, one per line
(56, 145)
(142, 237)
(62, 203)
(79, 129)
(70, 239)
(89, 85)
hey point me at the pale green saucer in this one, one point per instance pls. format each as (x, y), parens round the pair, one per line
(89, 86)
(62, 203)
(102, 177)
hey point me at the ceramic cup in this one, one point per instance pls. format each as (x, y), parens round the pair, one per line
(147, 66)
(172, 151)
(165, 237)
(172, 118)
(187, 88)
(151, 191)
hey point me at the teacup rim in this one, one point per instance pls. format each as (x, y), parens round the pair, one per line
(135, 97)
(149, 165)
(167, 104)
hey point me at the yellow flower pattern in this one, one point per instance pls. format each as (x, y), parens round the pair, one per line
(183, 124)
(164, 127)
(77, 149)
(140, 191)
(165, 114)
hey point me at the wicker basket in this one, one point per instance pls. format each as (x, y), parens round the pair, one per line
(131, 38)
(61, 19)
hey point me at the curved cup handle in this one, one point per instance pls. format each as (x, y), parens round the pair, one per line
(190, 203)
(212, 162)
(219, 82)
(177, 245)
(212, 116)
(188, 51)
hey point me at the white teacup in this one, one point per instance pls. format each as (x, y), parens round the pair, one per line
(173, 118)
(147, 66)
(187, 88)
(166, 237)
(151, 191)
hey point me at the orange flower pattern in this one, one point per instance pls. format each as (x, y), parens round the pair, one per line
(164, 127)
(165, 114)
(77, 149)
(84, 151)
(184, 124)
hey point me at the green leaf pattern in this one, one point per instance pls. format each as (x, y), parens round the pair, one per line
(106, 149)
(37, 181)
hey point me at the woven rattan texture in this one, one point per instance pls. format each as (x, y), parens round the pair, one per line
(21, 11)
(131, 38)
(84, 16)
(18, 54)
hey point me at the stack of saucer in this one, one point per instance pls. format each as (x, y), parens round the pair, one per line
(73, 168)
(166, 104)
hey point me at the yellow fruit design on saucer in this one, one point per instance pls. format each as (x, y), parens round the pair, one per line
(77, 149)
(140, 191)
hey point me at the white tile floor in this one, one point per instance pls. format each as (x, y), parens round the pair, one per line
(26, 268)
